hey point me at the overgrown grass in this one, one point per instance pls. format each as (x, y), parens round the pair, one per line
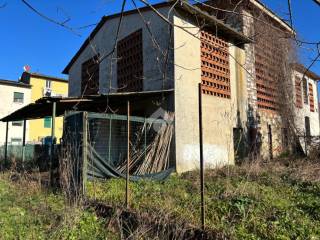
(274, 201)
(27, 212)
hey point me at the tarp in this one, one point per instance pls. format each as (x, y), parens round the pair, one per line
(100, 168)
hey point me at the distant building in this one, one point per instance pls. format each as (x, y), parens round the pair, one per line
(42, 86)
(14, 95)
(306, 101)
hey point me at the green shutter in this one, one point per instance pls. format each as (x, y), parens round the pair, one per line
(47, 122)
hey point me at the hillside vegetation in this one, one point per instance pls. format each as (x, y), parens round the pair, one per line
(278, 200)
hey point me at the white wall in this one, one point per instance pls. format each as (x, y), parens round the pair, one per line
(103, 43)
(8, 106)
(303, 112)
(219, 114)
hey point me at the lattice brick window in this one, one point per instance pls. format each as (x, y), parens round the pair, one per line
(130, 63)
(298, 92)
(311, 97)
(268, 66)
(90, 77)
(215, 72)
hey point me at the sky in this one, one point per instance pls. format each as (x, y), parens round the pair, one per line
(28, 39)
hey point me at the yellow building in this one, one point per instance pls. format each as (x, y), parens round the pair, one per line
(42, 86)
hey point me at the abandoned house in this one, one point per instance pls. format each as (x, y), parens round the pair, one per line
(238, 66)
(306, 102)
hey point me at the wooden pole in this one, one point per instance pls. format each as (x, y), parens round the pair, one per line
(128, 154)
(201, 160)
(24, 143)
(53, 120)
(6, 145)
(270, 142)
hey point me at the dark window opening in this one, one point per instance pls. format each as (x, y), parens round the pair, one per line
(18, 97)
(307, 129)
(17, 123)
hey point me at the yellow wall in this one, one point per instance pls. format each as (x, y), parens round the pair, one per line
(36, 127)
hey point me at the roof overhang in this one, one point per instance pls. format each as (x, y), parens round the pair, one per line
(95, 103)
(271, 14)
(302, 69)
(227, 30)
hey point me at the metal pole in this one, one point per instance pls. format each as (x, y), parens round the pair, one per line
(85, 152)
(6, 145)
(24, 143)
(201, 160)
(145, 139)
(53, 120)
(110, 137)
(128, 154)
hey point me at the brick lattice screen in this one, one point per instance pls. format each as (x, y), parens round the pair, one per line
(268, 66)
(215, 72)
(298, 92)
(130, 63)
(311, 97)
(90, 77)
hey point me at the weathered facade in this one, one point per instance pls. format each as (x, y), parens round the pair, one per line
(240, 100)
(306, 102)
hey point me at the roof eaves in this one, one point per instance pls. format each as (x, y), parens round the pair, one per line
(14, 83)
(272, 14)
(302, 69)
(228, 30)
(40, 75)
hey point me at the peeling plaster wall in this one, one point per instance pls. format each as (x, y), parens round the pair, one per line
(153, 62)
(219, 114)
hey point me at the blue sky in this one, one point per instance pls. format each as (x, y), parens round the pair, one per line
(27, 39)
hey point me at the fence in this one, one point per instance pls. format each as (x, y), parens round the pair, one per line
(95, 146)
(35, 156)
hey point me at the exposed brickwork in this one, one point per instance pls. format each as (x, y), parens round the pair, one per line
(215, 72)
(298, 92)
(268, 66)
(130, 63)
(311, 97)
